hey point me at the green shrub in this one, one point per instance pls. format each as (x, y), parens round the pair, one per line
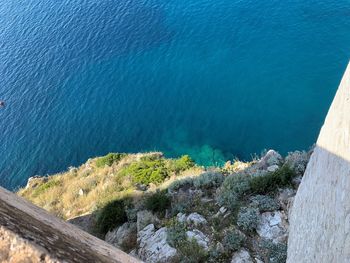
(264, 203)
(157, 202)
(185, 182)
(146, 171)
(270, 182)
(248, 219)
(233, 240)
(109, 159)
(45, 186)
(176, 234)
(181, 164)
(208, 180)
(192, 252)
(276, 253)
(111, 215)
(233, 189)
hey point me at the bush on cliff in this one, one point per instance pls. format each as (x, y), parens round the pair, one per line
(146, 171)
(233, 189)
(110, 216)
(157, 202)
(109, 159)
(181, 164)
(270, 182)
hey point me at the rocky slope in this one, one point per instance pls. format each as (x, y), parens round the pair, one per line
(171, 210)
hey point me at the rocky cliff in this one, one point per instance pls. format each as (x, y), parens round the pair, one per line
(171, 210)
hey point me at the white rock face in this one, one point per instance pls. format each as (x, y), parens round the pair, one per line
(196, 219)
(272, 226)
(241, 256)
(153, 246)
(201, 239)
(320, 218)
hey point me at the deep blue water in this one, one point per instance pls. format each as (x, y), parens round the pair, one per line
(215, 79)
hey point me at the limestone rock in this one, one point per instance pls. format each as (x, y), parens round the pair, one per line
(124, 236)
(271, 158)
(153, 246)
(145, 218)
(241, 256)
(272, 168)
(196, 219)
(181, 218)
(200, 238)
(273, 226)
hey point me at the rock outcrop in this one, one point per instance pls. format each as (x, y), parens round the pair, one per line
(320, 218)
(153, 245)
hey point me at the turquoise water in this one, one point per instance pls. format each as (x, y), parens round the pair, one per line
(214, 79)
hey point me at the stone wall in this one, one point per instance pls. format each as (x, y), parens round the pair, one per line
(320, 217)
(30, 234)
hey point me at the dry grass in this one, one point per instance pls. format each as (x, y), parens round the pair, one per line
(86, 188)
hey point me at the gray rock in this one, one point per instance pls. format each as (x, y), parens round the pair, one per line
(298, 161)
(124, 237)
(273, 168)
(181, 218)
(273, 226)
(200, 238)
(222, 210)
(196, 219)
(145, 218)
(153, 246)
(271, 158)
(241, 256)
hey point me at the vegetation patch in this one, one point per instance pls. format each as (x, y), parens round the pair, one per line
(110, 216)
(248, 219)
(233, 189)
(158, 202)
(45, 186)
(264, 203)
(233, 240)
(109, 159)
(270, 182)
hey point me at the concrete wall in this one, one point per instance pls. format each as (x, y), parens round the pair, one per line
(320, 217)
(30, 234)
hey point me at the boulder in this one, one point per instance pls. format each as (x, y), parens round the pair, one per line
(271, 158)
(85, 222)
(241, 256)
(273, 168)
(124, 237)
(200, 238)
(273, 226)
(153, 246)
(196, 219)
(181, 218)
(145, 218)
